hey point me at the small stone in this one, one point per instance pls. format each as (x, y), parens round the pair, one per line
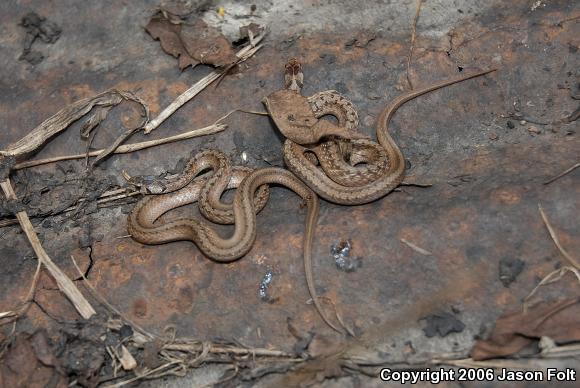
(510, 124)
(126, 331)
(534, 129)
(523, 122)
(493, 136)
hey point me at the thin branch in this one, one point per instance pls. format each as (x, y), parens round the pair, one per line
(239, 351)
(64, 283)
(567, 171)
(413, 36)
(566, 255)
(416, 248)
(127, 148)
(552, 277)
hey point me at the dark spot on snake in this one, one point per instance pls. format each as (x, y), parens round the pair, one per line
(291, 117)
(408, 164)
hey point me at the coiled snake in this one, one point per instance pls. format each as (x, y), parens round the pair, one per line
(334, 161)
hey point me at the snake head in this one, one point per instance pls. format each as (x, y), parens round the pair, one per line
(293, 75)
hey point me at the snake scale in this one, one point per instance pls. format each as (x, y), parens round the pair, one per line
(331, 160)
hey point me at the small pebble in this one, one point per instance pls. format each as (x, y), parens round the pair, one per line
(523, 122)
(493, 136)
(534, 129)
(510, 124)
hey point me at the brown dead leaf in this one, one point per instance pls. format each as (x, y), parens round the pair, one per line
(162, 29)
(191, 43)
(560, 321)
(206, 44)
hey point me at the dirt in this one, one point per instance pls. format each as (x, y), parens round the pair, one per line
(472, 142)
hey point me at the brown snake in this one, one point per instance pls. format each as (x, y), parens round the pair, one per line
(250, 197)
(385, 162)
(339, 150)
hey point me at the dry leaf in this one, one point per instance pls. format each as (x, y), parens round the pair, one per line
(206, 44)
(162, 29)
(513, 332)
(191, 43)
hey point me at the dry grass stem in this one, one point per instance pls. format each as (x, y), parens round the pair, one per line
(552, 277)
(560, 175)
(566, 255)
(196, 346)
(127, 148)
(416, 248)
(64, 283)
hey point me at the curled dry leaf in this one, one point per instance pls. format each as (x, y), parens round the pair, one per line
(162, 29)
(190, 43)
(513, 332)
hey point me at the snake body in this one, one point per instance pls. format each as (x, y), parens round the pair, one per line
(333, 161)
(385, 164)
(250, 197)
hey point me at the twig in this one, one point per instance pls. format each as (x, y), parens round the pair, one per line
(566, 255)
(238, 351)
(567, 171)
(243, 54)
(127, 148)
(416, 248)
(413, 35)
(64, 283)
(552, 277)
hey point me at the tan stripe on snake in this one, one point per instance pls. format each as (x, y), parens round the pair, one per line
(311, 141)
